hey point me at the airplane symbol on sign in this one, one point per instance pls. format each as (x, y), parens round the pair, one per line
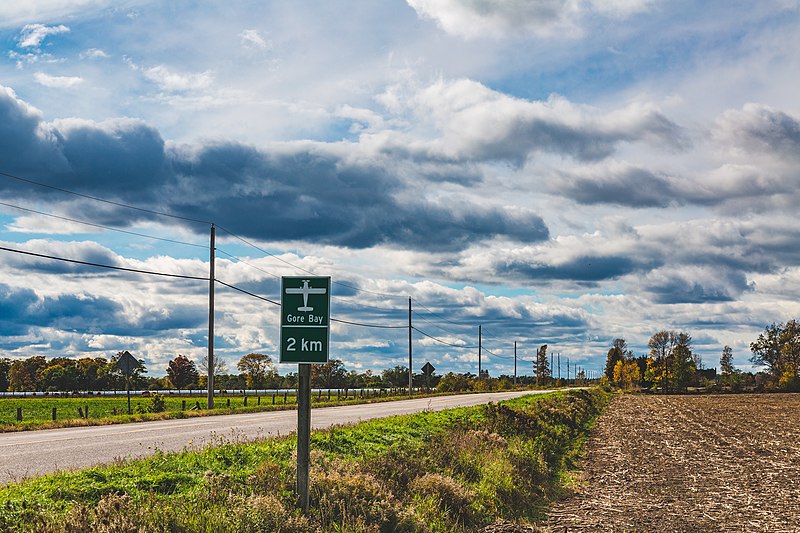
(305, 290)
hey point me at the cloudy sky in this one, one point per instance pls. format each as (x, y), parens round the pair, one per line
(558, 171)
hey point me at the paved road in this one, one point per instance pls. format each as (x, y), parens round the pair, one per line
(31, 453)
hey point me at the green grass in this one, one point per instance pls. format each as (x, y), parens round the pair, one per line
(37, 411)
(455, 470)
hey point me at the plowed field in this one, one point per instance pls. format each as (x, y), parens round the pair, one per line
(690, 463)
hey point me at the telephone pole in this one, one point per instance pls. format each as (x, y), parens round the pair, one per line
(211, 275)
(515, 362)
(410, 366)
(479, 351)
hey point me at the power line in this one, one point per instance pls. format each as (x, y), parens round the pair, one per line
(246, 263)
(189, 219)
(95, 225)
(441, 341)
(361, 324)
(100, 265)
(380, 326)
(340, 283)
(483, 348)
(436, 314)
(234, 287)
(240, 260)
(434, 324)
(95, 198)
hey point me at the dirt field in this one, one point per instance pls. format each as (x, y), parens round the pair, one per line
(690, 463)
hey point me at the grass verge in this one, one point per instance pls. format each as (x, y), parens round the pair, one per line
(456, 470)
(37, 412)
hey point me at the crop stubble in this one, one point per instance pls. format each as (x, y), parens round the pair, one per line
(690, 463)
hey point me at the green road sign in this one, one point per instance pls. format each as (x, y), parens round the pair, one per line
(305, 319)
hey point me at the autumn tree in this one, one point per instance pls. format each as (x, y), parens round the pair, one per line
(541, 366)
(23, 375)
(778, 348)
(258, 370)
(618, 352)
(626, 374)
(182, 372)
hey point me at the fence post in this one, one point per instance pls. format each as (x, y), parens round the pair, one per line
(183, 405)
(54, 413)
(245, 401)
(19, 414)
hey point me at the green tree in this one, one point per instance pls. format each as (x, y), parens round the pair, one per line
(5, 366)
(778, 348)
(618, 352)
(726, 361)
(119, 380)
(683, 361)
(396, 377)
(729, 376)
(660, 344)
(672, 364)
(451, 382)
(258, 370)
(331, 375)
(182, 372)
(541, 367)
(60, 374)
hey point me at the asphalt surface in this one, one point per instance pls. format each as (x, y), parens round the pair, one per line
(33, 453)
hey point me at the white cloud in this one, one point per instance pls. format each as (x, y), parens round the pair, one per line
(32, 35)
(253, 39)
(500, 19)
(57, 82)
(474, 123)
(94, 53)
(169, 80)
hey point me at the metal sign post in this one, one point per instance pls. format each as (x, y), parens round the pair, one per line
(428, 369)
(127, 365)
(305, 338)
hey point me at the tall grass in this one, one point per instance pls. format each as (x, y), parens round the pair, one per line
(457, 470)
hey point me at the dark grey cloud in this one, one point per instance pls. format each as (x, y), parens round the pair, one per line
(23, 308)
(583, 268)
(626, 186)
(310, 192)
(760, 129)
(88, 252)
(697, 287)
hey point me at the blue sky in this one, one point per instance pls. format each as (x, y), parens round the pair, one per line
(559, 171)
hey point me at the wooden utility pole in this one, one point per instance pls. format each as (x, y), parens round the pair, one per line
(410, 358)
(479, 352)
(211, 276)
(515, 362)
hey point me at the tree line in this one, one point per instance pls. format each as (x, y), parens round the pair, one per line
(254, 371)
(671, 365)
